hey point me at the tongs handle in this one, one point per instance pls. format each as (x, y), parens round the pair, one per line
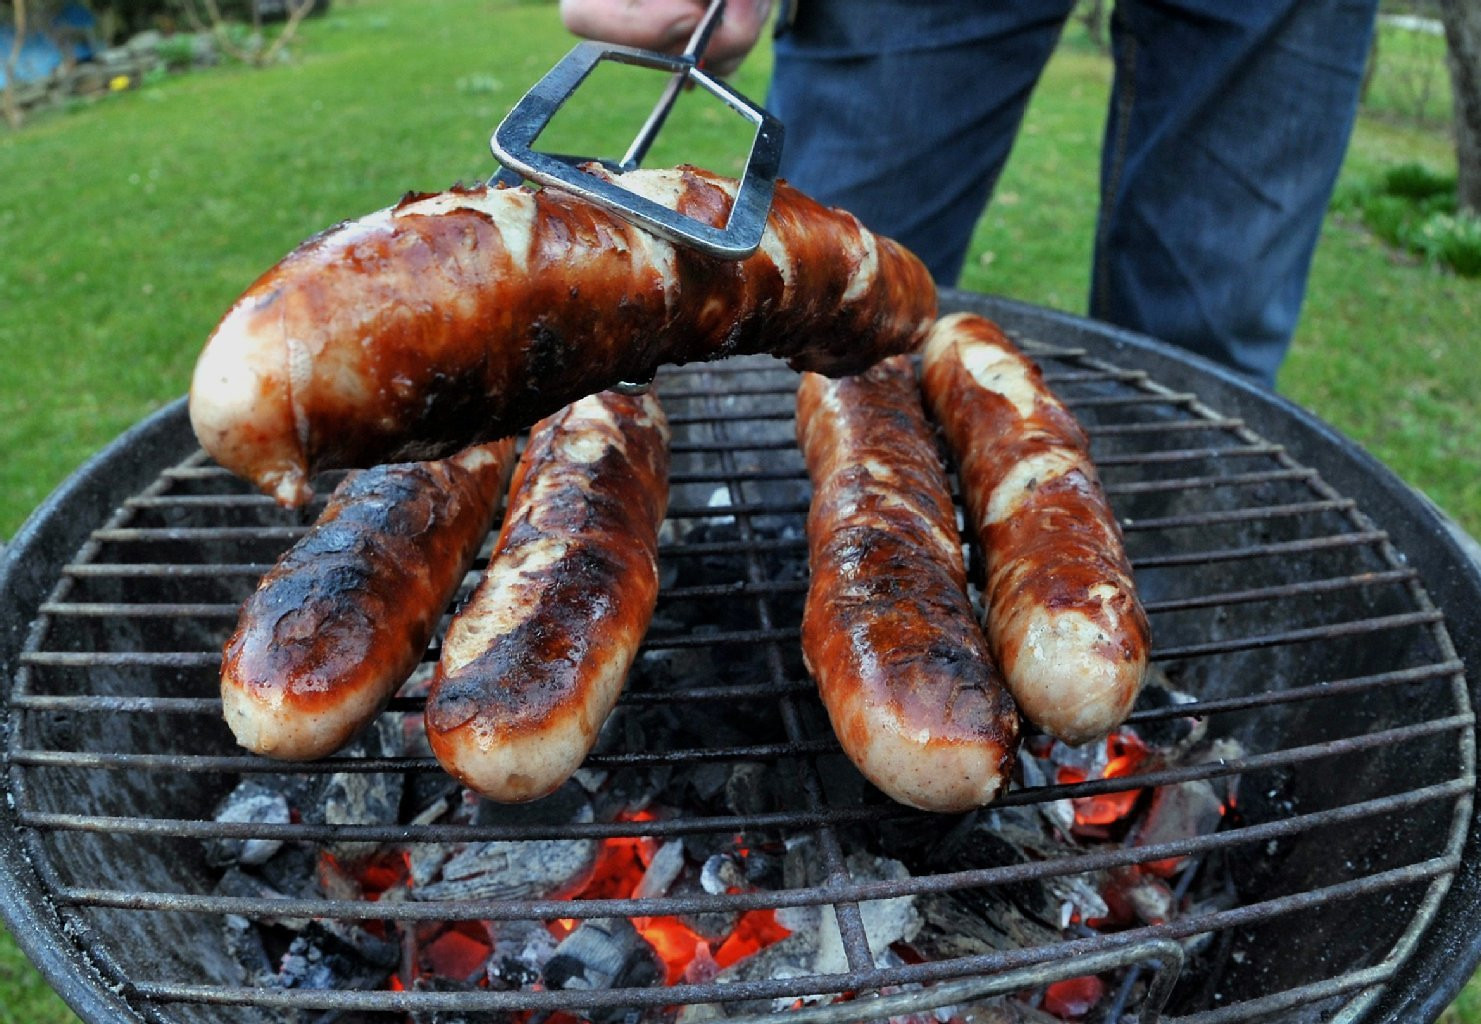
(693, 51)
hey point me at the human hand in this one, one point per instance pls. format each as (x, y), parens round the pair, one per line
(666, 25)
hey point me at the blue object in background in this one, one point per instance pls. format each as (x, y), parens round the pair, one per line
(40, 53)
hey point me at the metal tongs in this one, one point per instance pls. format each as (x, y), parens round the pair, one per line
(513, 140)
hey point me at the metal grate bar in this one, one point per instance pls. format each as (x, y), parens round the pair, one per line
(676, 594)
(1072, 401)
(1041, 350)
(1445, 670)
(729, 592)
(1346, 628)
(117, 705)
(1061, 377)
(1278, 549)
(252, 763)
(209, 659)
(181, 828)
(142, 609)
(1302, 589)
(195, 502)
(762, 386)
(283, 535)
(189, 828)
(163, 570)
(745, 900)
(1357, 538)
(1243, 451)
(755, 444)
(112, 704)
(290, 533)
(1214, 423)
(220, 609)
(1172, 398)
(113, 760)
(262, 501)
(1257, 513)
(206, 473)
(199, 502)
(1208, 482)
(748, 416)
(124, 659)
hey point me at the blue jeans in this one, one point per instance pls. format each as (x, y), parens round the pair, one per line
(1227, 124)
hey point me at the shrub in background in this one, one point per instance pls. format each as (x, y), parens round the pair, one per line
(1414, 208)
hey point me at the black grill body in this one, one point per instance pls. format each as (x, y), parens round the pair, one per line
(1315, 607)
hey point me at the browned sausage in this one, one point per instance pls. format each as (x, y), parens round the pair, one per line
(465, 315)
(534, 662)
(1062, 610)
(342, 619)
(888, 631)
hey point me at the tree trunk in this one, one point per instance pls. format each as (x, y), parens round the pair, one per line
(297, 11)
(12, 61)
(1093, 16)
(262, 56)
(1463, 54)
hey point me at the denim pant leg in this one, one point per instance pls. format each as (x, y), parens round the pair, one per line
(903, 111)
(1228, 124)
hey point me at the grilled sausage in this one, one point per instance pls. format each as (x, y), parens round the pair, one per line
(533, 663)
(1062, 611)
(340, 622)
(888, 631)
(455, 317)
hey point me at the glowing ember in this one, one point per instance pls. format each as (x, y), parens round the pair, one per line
(755, 931)
(1125, 753)
(621, 864)
(1165, 868)
(460, 952)
(1073, 998)
(675, 942)
(371, 877)
(520, 954)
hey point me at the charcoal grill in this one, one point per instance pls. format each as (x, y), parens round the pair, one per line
(1316, 609)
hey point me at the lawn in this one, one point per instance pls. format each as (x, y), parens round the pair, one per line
(129, 225)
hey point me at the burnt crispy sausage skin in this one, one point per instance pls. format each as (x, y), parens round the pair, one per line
(340, 622)
(1062, 610)
(534, 661)
(469, 314)
(888, 631)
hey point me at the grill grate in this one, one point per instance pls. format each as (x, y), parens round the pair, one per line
(1275, 602)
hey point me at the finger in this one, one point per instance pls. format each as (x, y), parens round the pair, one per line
(736, 35)
(650, 24)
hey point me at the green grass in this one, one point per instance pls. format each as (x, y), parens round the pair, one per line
(1409, 82)
(129, 225)
(1467, 1007)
